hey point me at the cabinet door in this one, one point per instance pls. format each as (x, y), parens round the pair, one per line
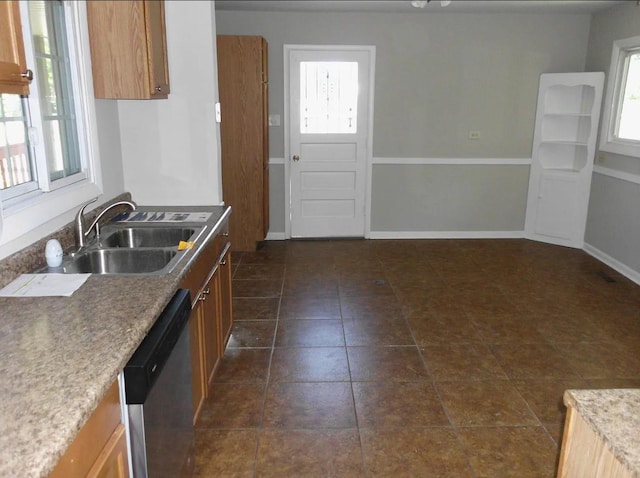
(226, 312)
(198, 378)
(156, 49)
(128, 49)
(92, 438)
(112, 462)
(12, 59)
(265, 139)
(212, 339)
(241, 82)
(585, 454)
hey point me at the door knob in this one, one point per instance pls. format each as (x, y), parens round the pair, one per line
(296, 157)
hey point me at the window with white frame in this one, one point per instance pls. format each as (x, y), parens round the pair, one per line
(621, 120)
(43, 145)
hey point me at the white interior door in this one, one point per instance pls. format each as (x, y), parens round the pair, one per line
(328, 137)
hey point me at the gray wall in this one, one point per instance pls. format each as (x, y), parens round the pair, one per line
(438, 76)
(110, 149)
(613, 222)
(449, 198)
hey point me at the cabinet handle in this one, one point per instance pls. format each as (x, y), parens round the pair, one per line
(225, 234)
(159, 89)
(204, 294)
(28, 74)
(223, 262)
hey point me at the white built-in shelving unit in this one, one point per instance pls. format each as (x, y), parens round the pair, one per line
(562, 158)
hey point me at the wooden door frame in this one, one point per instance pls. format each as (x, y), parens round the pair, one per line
(371, 50)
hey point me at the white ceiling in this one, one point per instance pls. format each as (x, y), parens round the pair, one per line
(399, 6)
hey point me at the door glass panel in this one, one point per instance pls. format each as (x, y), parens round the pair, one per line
(328, 97)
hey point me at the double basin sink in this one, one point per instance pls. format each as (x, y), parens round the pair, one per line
(132, 250)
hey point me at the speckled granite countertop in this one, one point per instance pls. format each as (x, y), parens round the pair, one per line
(59, 355)
(615, 417)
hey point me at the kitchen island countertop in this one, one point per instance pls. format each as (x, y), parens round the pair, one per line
(614, 416)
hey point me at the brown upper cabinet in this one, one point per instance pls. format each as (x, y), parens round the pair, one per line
(14, 75)
(244, 136)
(128, 49)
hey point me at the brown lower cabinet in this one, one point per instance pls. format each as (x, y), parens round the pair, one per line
(585, 453)
(211, 317)
(100, 449)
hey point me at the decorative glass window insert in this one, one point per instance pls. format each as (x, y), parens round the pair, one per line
(621, 117)
(328, 97)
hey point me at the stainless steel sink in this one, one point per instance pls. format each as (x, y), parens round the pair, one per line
(134, 237)
(150, 250)
(122, 261)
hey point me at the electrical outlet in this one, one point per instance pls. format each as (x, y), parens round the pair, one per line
(602, 157)
(274, 120)
(474, 135)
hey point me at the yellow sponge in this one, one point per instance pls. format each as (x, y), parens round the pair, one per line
(182, 245)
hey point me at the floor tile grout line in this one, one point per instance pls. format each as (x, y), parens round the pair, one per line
(260, 428)
(353, 398)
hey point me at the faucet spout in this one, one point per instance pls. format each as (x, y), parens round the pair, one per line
(96, 222)
(82, 232)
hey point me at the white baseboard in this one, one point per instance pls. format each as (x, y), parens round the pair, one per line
(615, 264)
(280, 236)
(276, 236)
(446, 234)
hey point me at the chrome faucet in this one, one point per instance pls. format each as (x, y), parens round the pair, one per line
(80, 232)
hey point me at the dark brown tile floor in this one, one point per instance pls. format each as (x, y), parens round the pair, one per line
(409, 358)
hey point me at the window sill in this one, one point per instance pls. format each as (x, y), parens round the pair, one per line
(34, 212)
(621, 147)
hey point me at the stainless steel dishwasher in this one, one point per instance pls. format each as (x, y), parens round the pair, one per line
(157, 383)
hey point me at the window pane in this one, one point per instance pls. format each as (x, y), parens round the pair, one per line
(328, 97)
(630, 114)
(15, 154)
(48, 99)
(60, 133)
(57, 147)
